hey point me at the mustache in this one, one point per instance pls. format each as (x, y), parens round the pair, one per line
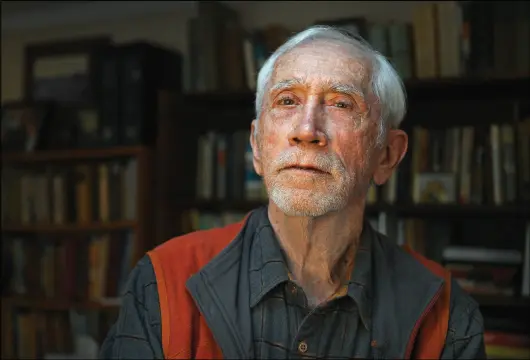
(322, 161)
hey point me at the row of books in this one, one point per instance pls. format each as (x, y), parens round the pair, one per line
(444, 40)
(475, 38)
(28, 328)
(54, 334)
(225, 169)
(93, 268)
(469, 165)
(84, 193)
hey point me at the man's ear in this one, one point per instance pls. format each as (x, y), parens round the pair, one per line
(256, 156)
(391, 155)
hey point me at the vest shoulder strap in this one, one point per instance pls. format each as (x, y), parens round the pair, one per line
(431, 337)
(185, 334)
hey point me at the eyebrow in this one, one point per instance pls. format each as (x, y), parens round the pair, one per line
(285, 84)
(345, 89)
(340, 88)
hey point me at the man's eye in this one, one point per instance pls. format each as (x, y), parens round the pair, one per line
(342, 104)
(285, 102)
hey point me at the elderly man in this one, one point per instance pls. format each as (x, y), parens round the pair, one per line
(305, 276)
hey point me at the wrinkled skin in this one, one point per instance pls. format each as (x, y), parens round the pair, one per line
(315, 146)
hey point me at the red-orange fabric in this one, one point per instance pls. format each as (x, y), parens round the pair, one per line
(185, 333)
(430, 340)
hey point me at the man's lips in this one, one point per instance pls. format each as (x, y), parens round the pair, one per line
(309, 168)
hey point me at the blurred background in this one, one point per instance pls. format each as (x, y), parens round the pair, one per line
(126, 123)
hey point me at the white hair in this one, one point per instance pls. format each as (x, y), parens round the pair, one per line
(386, 83)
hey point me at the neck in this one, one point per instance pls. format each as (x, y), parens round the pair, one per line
(319, 250)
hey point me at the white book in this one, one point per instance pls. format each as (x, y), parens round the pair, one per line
(478, 254)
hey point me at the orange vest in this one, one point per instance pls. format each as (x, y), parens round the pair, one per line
(185, 333)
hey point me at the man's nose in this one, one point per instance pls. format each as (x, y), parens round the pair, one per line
(308, 130)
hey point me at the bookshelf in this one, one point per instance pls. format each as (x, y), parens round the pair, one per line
(140, 223)
(74, 260)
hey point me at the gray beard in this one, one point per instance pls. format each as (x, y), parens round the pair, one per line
(294, 202)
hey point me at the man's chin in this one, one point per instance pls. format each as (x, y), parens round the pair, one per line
(297, 202)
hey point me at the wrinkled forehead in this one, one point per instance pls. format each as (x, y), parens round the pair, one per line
(321, 63)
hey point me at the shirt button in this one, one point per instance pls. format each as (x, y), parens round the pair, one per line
(302, 347)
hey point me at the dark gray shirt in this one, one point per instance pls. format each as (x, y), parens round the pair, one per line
(283, 324)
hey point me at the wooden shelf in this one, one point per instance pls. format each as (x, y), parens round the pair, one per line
(45, 228)
(56, 304)
(412, 210)
(71, 155)
(502, 301)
